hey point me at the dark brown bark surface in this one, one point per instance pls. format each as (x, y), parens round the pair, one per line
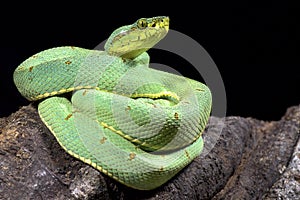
(251, 159)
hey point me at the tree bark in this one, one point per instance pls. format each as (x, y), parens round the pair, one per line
(244, 158)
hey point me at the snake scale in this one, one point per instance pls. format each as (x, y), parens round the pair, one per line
(137, 125)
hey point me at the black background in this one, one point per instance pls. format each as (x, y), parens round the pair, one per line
(253, 45)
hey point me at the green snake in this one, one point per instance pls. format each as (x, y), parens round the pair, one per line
(137, 125)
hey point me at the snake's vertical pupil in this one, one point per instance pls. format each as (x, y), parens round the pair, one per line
(142, 23)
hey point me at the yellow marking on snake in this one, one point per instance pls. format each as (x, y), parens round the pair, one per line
(62, 91)
(128, 137)
(157, 95)
(71, 89)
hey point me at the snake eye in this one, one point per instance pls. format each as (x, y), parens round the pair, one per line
(142, 23)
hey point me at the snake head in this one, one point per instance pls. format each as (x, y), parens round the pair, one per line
(132, 40)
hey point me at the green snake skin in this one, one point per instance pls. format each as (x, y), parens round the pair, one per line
(137, 125)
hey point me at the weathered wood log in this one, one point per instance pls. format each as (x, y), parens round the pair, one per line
(251, 159)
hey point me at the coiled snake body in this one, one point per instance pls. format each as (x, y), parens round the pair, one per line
(135, 124)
